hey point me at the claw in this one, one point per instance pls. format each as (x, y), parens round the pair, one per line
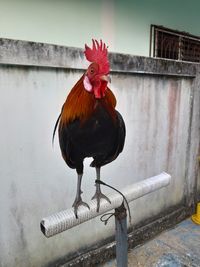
(78, 202)
(98, 196)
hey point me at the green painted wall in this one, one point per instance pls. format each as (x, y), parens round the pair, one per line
(123, 24)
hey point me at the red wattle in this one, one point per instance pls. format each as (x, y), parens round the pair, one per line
(97, 92)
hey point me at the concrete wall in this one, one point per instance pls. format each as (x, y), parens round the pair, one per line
(123, 24)
(159, 101)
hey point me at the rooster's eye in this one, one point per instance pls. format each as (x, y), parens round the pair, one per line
(92, 71)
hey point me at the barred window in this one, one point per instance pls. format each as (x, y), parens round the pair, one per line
(167, 43)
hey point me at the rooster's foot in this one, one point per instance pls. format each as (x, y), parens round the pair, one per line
(98, 196)
(78, 202)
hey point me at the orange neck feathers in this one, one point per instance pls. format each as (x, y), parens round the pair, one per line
(80, 104)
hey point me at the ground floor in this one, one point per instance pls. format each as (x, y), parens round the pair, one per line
(177, 247)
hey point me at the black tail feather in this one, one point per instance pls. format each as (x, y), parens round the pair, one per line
(55, 127)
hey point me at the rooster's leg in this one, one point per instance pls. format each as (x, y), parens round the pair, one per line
(78, 200)
(99, 195)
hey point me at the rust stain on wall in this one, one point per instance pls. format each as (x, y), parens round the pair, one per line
(174, 97)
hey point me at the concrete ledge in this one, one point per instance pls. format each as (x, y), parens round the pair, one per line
(39, 54)
(101, 253)
(16, 52)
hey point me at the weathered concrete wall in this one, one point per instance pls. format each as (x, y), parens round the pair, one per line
(159, 101)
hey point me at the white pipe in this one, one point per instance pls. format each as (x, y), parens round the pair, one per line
(66, 219)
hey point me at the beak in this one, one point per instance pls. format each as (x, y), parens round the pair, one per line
(106, 78)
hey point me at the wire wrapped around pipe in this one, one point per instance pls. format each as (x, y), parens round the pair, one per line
(66, 219)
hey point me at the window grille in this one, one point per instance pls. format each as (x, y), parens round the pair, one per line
(171, 44)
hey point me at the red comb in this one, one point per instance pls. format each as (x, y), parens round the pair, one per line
(99, 54)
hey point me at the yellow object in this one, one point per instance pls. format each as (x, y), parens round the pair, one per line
(196, 217)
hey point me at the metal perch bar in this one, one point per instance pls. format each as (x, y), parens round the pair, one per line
(66, 219)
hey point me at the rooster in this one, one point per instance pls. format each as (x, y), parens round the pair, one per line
(89, 124)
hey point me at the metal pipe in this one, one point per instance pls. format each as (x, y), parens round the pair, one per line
(121, 236)
(66, 219)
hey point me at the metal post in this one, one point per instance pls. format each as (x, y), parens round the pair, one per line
(121, 236)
